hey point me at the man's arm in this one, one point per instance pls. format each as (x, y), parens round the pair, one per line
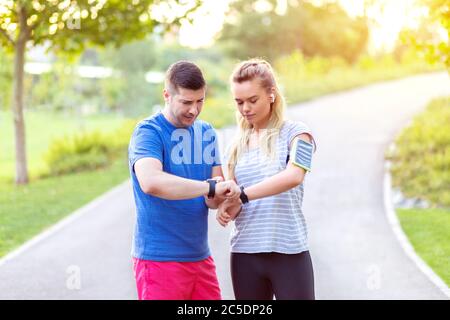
(154, 181)
(228, 210)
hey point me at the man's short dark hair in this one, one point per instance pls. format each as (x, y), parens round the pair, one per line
(186, 75)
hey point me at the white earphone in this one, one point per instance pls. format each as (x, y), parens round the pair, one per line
(273, 97)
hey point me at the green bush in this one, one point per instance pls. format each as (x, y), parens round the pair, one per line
(303, 78)
(421, 160)
(120, 138)
(86, 151)
(80, 152)
(79, 162)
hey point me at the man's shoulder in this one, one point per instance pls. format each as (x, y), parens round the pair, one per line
(149, 124)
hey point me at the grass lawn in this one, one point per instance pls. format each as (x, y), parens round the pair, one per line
(28, 210)
(428, 231)
(41, 129)
(421, 169)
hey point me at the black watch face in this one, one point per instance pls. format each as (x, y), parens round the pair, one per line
(212, 188)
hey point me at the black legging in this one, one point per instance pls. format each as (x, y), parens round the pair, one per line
(260, 276)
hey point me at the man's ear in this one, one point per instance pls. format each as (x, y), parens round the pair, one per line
(166, 95)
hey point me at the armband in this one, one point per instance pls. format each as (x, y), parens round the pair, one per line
(301, 154)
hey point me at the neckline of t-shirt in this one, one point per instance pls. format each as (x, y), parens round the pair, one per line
(253, 149)
(170, 124)
(258, 148)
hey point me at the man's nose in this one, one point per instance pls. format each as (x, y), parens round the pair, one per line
(193, 110)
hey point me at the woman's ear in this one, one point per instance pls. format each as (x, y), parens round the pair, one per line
(272, 94)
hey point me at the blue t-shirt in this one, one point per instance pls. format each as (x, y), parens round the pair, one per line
(172, 230)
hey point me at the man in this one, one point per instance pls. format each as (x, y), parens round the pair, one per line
(171, 155)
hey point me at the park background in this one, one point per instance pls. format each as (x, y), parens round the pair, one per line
(76, 76)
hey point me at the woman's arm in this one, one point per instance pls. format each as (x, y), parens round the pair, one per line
(285, 180)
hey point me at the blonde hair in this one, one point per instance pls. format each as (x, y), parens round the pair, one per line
(247, 71)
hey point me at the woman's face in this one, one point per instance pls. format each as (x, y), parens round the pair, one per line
(253, 102)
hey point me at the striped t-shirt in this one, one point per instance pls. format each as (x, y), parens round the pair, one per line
(276, 223)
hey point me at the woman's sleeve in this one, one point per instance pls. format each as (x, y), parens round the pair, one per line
(297, 128)
(300, 151)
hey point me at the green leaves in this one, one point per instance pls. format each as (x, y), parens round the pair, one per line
(324, 30)
(427, 39)
(71, 26)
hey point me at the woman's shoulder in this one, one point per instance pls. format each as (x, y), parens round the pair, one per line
(295, 128)
(290, 127)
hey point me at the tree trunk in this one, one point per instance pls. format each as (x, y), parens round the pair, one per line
(19, 123)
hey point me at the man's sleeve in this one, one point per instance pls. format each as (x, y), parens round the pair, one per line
(145, 143)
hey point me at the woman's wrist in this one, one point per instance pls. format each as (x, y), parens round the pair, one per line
(243, 197)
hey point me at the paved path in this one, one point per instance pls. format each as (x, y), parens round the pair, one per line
(355, 253)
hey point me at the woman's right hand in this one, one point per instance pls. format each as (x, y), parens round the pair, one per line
(227, 211)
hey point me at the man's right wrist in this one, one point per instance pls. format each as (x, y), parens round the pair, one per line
(211, 188)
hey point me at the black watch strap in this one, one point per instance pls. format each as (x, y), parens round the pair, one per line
(212, 188)
(243, 196)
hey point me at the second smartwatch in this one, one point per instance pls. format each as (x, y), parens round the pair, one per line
(243, 196)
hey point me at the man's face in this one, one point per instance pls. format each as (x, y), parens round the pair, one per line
(185, 105)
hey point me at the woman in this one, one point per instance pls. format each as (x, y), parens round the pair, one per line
(269, 160)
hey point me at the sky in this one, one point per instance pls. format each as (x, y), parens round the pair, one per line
(389, 17)
(208, 21)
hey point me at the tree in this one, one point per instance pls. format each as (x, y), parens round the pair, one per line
(427, 38)
(324, 30)
(69, 26)
(5, 80)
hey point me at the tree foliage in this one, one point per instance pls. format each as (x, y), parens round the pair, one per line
(69, 26)
(427, 39)
(324, 30)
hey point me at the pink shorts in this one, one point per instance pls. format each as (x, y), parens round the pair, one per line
(176, 280)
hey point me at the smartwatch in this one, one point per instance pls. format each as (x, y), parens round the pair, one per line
(243, 196)
(212, 188)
